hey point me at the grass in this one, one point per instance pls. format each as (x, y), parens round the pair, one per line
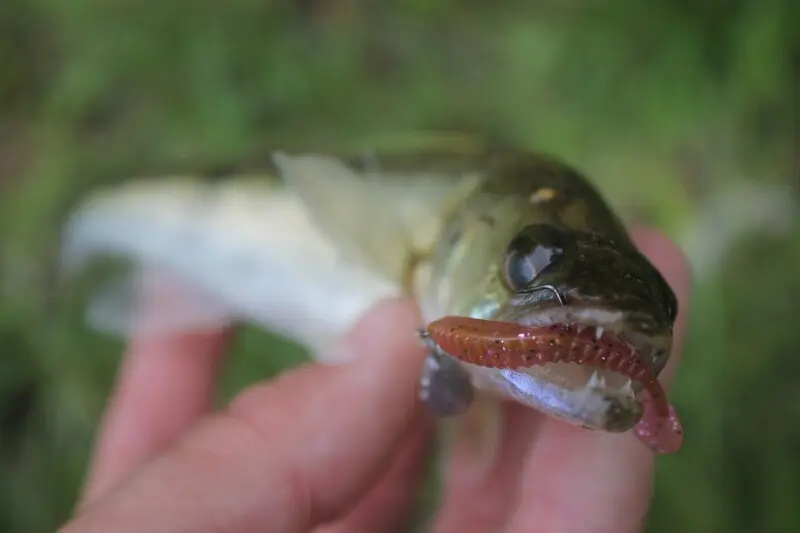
(665, 103)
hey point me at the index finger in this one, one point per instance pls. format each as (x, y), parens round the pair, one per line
(165, 384)
(598, 482)
(167, 379)
(287, 455)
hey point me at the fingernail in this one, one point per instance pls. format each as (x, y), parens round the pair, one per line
(338, 354)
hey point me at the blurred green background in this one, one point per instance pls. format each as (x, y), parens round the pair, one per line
(686, 113)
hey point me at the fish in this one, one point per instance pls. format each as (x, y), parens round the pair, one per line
(529, 285)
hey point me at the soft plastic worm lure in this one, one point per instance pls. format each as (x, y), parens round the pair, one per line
(496, 344)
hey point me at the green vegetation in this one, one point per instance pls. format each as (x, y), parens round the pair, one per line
(665, 103)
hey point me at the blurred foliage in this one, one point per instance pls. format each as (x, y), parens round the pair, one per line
(664, 102)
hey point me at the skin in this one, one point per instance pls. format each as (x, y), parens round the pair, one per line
(165, 463)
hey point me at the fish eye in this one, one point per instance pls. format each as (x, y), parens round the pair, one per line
(532, 250)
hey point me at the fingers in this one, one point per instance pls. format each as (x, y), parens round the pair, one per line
(598, 482)
(285, 456)
(386, 508)
(478, 500)
(164, 386)
(672, 263)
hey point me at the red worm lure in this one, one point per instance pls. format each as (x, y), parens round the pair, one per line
(508, 345)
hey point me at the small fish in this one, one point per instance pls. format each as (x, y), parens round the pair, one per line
(529, 285)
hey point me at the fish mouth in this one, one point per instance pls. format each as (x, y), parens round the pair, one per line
(584, 394)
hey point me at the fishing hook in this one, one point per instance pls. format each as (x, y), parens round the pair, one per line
(550, 288)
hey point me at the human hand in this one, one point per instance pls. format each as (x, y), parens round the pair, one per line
(342, 448)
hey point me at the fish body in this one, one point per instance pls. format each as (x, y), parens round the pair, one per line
(484, 237)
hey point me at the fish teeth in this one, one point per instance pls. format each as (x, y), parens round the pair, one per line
(598, 333)
(583, 395)
(596, 381)
(627, 388)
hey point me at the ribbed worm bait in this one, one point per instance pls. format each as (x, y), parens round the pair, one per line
(506, 345)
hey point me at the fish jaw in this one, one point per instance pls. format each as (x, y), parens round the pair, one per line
(584, 407)
(588, 406)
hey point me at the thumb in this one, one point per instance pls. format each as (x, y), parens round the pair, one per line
(287, 455)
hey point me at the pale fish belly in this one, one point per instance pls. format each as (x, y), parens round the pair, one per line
(243, 251)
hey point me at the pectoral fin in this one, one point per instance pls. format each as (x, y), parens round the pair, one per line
(386, 220)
